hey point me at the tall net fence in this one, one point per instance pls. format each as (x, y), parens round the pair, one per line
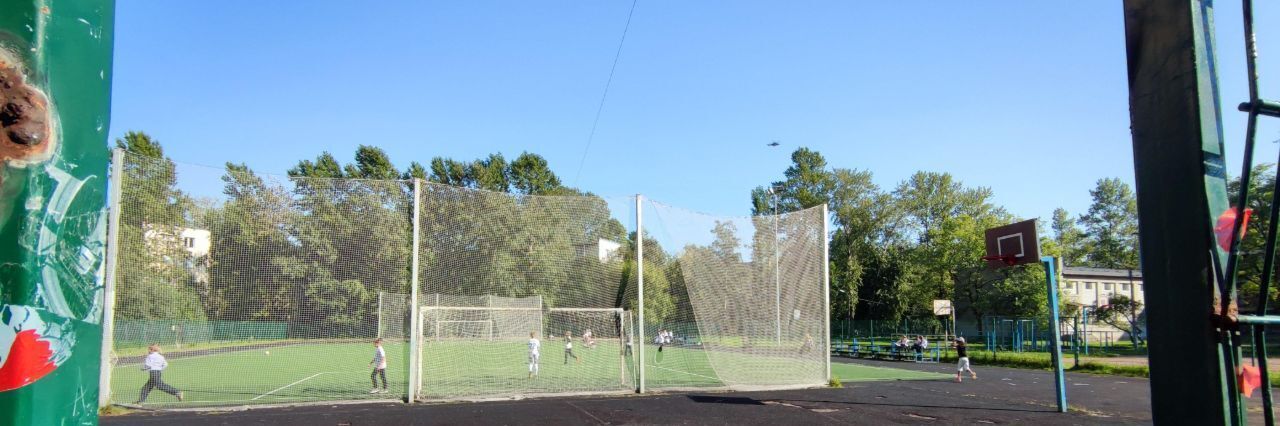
(266, 289)
(739, 302)
(262, 289)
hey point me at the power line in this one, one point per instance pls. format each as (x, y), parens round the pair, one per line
(604, 95)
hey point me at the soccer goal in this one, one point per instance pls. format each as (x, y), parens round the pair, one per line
(588, 330)
(441, 323)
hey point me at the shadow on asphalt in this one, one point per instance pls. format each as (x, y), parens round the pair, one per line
(708, 399)
(885, 404)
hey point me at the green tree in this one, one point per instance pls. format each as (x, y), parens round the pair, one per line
(1253, 246)
(153, 214)
(1111, 226)
(531, 176)
(1125, 314)
(807, 183)
(1069, 239)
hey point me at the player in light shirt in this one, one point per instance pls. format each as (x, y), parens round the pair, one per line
(535, 348)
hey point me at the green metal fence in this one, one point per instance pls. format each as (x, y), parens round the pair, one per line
(140, 333)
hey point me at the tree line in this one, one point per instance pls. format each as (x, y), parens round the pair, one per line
(895, 250)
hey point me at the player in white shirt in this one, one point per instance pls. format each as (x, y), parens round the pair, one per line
(535, 348)
(154, 365)
(379, 364)
(588, 340)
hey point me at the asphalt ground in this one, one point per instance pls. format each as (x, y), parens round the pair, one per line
(998, 396)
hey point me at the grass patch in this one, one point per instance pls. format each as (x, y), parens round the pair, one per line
(1042, 361)
(835, 383)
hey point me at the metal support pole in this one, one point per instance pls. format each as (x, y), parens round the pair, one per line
(1180, 176)
(777, 278)
(415, 327)
(1051, 278)
(826, 294)
(109, 280)
(379, 314)
(1075, 339)
(640, 284)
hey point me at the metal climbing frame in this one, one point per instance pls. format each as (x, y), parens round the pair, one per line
(1255, 324)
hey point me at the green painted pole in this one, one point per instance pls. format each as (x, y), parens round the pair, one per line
(1059, 380)
(55, 63)
(1180, 172)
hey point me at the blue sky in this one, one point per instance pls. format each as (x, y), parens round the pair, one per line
(1028, 98)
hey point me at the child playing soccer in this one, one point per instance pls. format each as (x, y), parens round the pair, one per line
(962, 364)
(379, 365)
(568, 349)
(535, 346)
(154, 365)
(588, 340)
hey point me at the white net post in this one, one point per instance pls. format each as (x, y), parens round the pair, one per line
(109, 281)
(415, 327)
(826, 293)
(641, 360)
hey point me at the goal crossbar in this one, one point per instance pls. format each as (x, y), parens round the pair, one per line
(614, 310)
(476, 308)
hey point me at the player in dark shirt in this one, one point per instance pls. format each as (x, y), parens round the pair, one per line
(962, 364)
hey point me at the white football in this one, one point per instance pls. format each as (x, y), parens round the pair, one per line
(267, 352)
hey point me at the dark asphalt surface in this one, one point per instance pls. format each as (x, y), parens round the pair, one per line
(999, 396)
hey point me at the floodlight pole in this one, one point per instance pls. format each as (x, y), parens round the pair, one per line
(109, 278)
(640, 286)
(1051, 278)
(415, 324)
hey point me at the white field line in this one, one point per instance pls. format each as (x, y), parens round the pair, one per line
(291, 384)
(685, 372)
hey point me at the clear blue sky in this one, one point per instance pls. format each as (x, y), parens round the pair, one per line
(1028, 98)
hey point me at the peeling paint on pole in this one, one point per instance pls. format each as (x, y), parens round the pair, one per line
(55, 79)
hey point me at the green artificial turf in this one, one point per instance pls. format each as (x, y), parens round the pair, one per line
(300, 372)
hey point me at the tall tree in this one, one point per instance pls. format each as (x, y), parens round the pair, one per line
(153, 214)
(530, 175)
(807, 183)
(1111, 226)
(1068, 238)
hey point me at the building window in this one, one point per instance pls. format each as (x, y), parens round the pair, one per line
(1139, 287)
(1088, 286)
(1071, 285)
(189, 242)
(1106, 286)
(1124, 287)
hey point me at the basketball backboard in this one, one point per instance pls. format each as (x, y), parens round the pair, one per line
(1013, 244)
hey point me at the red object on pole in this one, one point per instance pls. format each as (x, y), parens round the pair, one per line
(1250, 379)
(1225, 222)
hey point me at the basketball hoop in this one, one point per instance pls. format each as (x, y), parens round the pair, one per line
(1008, 259)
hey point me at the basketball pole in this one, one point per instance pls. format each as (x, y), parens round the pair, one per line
(1059, 381)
